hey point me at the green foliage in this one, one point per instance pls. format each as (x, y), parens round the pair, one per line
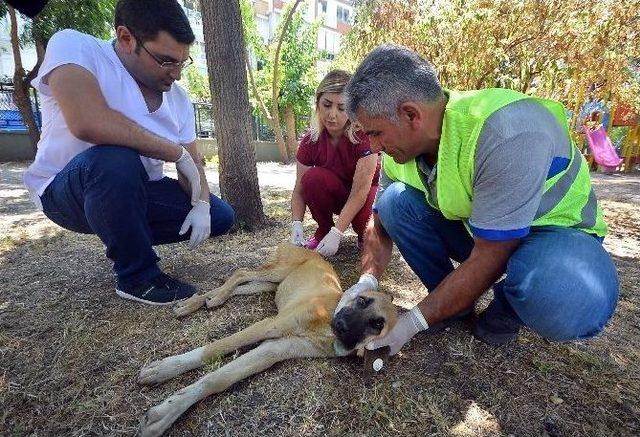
(618, 135)
(298, 57)
(94, 17)
(252, 38)
(554, 48)
(197, 84)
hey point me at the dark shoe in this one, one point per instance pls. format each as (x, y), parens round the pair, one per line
(161, 290)
(440, 326)
(497, 325)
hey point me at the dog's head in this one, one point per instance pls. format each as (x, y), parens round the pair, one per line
(368, 316)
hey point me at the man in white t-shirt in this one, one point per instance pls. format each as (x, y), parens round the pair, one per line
(112, 115)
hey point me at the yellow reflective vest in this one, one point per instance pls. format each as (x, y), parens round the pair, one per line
(568, 199)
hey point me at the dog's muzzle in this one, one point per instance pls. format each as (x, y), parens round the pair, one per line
(348, 327)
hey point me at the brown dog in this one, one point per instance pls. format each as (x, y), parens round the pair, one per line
(307, 293)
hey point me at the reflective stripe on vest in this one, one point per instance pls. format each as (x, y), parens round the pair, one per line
(552, 197)
(589, 213)
(557, 191)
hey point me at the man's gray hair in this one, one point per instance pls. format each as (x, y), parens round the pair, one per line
(389, 76)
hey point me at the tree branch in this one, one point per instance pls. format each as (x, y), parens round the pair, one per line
(15, 45)
(254, 89)
(275, 114)
(40, 57)
(276, 60)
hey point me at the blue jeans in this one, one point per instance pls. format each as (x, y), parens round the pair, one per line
(106, 191)
(560, 282)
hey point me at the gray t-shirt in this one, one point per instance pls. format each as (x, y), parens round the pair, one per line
(520, 146)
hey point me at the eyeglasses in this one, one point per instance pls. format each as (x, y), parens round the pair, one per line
(170, 65)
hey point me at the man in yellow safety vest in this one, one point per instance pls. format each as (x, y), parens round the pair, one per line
(490, 179)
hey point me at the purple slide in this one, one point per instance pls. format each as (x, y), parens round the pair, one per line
(601, 148)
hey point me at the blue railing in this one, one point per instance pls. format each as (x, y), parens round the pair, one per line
(10, 117)
(11, 120)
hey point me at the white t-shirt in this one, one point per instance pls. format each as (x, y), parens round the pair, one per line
(173, 120)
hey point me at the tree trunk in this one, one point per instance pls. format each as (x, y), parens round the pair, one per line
(274, 122)
(40, 50)
(282, 145)
(21, 87)
(292, 137)
(230, 102)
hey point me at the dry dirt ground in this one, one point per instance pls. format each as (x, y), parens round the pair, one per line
(70, 349)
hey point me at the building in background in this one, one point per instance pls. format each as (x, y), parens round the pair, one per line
(336, 16)
(28, 53)
(192, 9)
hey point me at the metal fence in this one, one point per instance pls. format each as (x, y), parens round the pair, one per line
(205, 127)
(261, 130)
(10, 117)
(204, 120)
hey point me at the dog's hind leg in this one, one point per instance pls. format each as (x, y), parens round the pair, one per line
(159, 418)
(253, 287)
(273, 273)
(196, 301)
(170, 367)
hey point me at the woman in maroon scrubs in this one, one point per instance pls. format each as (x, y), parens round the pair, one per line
(336, 172)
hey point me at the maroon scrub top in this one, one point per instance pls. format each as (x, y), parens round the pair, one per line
(341, 159)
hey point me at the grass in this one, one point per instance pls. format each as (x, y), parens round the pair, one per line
(70, 351)
(10, 242)
(212, 161)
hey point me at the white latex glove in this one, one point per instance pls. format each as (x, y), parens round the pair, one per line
(329, 244)
(366, 282)
(199, 220)
(297, 233)
(187, 167)
(409, 324)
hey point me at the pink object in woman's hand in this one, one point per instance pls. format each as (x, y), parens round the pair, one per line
(312, 243)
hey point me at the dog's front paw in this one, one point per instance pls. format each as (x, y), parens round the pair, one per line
(159, 418)
(217, 297)
(188, 306)
(157, 372)
(152, 424)
(170, 367)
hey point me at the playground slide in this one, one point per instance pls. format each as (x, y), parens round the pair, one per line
(601, 148)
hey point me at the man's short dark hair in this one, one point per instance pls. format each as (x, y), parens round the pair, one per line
(146, 18)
